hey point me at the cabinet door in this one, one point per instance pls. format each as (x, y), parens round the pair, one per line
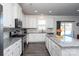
(24, 21)
(33, 38)
(50, 22)
(55, 49)
(20, 46)
(32, 22)
(8, 20)
(27, 39)
(36, 37)
(27, 21)
(43, 37)
(8, 51)
(47, 43)
(17, 11)
(16, 48)
(50, 47)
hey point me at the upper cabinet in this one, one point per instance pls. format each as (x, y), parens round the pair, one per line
(31, 21)
(50, 21)
(10, 12)
(17, 11)
(8, 20)
(24, 21)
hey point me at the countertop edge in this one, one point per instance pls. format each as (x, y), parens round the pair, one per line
(63, 46)
(4, 47)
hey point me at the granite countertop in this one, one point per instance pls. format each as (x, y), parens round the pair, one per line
(66, 42)
(9, 41)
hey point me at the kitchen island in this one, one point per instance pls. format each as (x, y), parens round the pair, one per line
(12, 47)
(66, 46)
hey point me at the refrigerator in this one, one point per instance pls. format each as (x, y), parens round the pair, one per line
(1, 30)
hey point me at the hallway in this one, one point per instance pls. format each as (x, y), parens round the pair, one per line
(36, 49)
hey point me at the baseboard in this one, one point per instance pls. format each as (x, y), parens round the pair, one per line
(47, 51)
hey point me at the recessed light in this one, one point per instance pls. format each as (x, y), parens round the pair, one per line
(77, 10)
(35, 11)
(41, 16)
(50, 11)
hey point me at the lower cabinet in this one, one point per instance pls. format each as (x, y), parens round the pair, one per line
(8, 51)
(55, 50)
(14, 50)
(52, 47)
(47, 43)
(36, 37)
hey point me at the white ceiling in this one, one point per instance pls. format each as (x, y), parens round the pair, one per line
(56, 8)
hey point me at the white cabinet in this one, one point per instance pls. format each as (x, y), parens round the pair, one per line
(20, 47)
(14, 50)
(52, 47)
(47, 43)
(32, 21)
(36, 37)
(27, 39)
(10, 12)
(24, 21)
(8, 20)
(8, 51)
(17, 50)
(17, 11)
(55, 50)
(50, 21)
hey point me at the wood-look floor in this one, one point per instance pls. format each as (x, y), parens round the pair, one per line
(36, 49)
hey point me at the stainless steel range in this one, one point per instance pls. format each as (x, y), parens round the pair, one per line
(21, 33)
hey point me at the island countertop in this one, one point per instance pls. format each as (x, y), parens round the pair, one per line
(65, 42)
(9, 41)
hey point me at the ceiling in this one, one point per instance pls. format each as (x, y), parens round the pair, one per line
(56, 8)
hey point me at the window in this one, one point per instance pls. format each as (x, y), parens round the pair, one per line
(66, 28)
(41, 24)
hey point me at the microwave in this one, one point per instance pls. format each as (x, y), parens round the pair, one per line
(18, 23)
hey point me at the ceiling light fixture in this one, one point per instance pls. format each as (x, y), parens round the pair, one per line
(50, 11)
(36, 11)
(77, 10)
(41, 16)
